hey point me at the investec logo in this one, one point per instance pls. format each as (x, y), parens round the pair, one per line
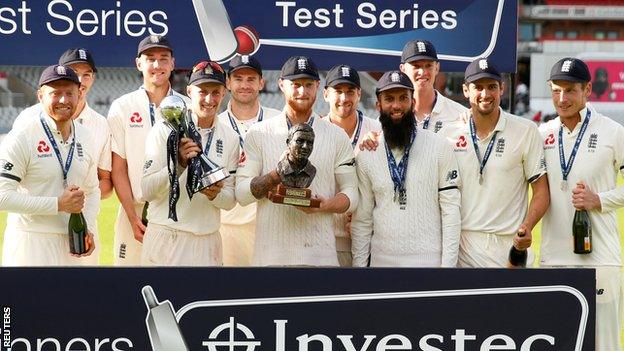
(461, 340)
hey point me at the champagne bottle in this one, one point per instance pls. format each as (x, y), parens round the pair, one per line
(582, 232)
(144, 213)
(77, 231)
(517, 258)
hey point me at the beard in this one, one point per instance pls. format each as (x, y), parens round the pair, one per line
(399, 133)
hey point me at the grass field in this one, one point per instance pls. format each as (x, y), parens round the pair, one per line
(108, 212)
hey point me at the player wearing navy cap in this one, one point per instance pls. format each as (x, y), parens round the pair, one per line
(499, 155)
(409, 196)
(343, 92)
(286, 235)
(244, 81)
(584, 151)
(48, 170)
(130, 118)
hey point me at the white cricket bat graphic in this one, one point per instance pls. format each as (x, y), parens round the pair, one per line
(216, 29)
(162, 327)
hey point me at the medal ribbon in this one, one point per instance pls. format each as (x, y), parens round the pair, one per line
(398, 173)
(57, 152)
(565, 169)
(488, 150)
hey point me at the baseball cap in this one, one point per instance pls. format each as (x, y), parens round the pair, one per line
(481, 68)
(393, 79)
(299, 67)
(418, 50)
(570, 69)
(342, 74)
(245, 61)
(153, 41)
(58, 72)
(78, 55)
(207, 72)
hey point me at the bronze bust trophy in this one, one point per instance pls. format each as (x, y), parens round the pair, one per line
(295, 170)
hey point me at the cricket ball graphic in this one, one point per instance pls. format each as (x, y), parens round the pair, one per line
(248, 40)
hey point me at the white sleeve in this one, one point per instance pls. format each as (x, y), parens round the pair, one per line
(115, 123)
(362, 222)
(14, 160)
(225, 199)
(449, 198)
(250, 166)
(155, 179)
(345, 173)
(613, 199)
(105, 156)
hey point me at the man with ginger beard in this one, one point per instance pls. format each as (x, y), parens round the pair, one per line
(499, 156)
(48, 171)
(412, 175)
(289, 235)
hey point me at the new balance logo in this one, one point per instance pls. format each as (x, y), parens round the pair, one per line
(567, 64)
(421, 46)
(599, 291)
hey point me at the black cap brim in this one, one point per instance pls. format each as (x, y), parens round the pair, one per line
(152, 46)
(567, 78)
(420, 57)
(301, 76)
(80, 61)
(232, 70)
(340, 81)
(393, 86)
(483, 75)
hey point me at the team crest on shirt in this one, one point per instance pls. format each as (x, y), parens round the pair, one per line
(549, 142)
(592, 143)
(219, 146)
(147, 165)
(43, 149)
(500, 147)
(461, 145)
(135, 120)
(437, 126)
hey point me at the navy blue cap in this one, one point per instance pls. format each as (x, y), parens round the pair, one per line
(77, 55)
(570, 69)
(342, 74)
(154, 41)
(298, 67)
(393, 79)
(481, 68)
(58, 72)
(245, 61)
(418, 50)
(207, 72)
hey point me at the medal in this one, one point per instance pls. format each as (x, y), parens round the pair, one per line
(480, 178)
(402, 199)
(564, 185)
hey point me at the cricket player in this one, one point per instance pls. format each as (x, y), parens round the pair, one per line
(409, 195)
(48, 170)
(419, 60)
(130, 118)
(289, 235)
(343, 92)
(193, 239)
(244, 81)
(584, 151)
(499, 156)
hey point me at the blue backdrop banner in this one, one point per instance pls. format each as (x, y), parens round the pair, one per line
(368, 35)
(273, 309)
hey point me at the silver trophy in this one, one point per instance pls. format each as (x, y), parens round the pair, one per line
(178, 116)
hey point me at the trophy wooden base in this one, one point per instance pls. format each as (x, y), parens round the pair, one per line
(294, 196)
